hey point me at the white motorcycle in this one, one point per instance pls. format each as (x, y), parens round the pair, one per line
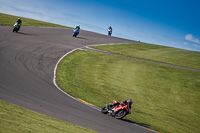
(109, 32)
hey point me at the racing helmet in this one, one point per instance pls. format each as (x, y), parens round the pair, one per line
(130, 101)
(19, 19)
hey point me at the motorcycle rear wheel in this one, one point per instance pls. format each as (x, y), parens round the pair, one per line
(104, 110)
(120, 114)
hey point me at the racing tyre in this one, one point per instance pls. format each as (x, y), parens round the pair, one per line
(104, 110)
(120, 114)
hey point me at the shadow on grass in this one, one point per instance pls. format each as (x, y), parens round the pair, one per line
(132, 122)
(146, 126)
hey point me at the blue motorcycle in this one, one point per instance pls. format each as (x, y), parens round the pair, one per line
(75, 32)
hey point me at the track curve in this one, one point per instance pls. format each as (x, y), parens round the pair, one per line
(27, 61)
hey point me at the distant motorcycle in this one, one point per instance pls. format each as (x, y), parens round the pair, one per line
(109, 32)
(16, 27)
(75, 32)
(117, 110)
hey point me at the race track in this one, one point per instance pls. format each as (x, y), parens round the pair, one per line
(27, 62)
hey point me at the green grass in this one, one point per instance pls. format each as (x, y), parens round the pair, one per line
(15, 119)
(10, 19)
(165, 98)
(157, 53)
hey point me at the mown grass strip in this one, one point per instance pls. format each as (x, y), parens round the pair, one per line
(10, 19)
(165, 98)
(156, 53)
(15, 119)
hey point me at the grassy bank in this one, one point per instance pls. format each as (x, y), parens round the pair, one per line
(157, 53)
(10, 19)
(15, 119)
(165, 98)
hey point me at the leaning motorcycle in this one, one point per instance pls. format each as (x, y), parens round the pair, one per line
(117, 110)
(16, 27)
(75, 32)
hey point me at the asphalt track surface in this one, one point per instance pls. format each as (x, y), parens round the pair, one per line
(27, 62)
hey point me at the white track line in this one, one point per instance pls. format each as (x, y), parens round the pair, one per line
(54, 81)
(54, 78)
(94, 107)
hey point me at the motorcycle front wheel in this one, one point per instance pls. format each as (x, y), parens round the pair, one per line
(120, 114)
(104, 110)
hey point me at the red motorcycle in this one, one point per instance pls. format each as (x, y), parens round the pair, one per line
(118, 110)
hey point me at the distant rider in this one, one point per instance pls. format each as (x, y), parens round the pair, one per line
(109, 31)
(78, 27)
(19, 21)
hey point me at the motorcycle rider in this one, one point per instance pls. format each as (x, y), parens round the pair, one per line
(19, 21)
(78, 28)
(126, 102)
(129, 102)
(109, 31)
